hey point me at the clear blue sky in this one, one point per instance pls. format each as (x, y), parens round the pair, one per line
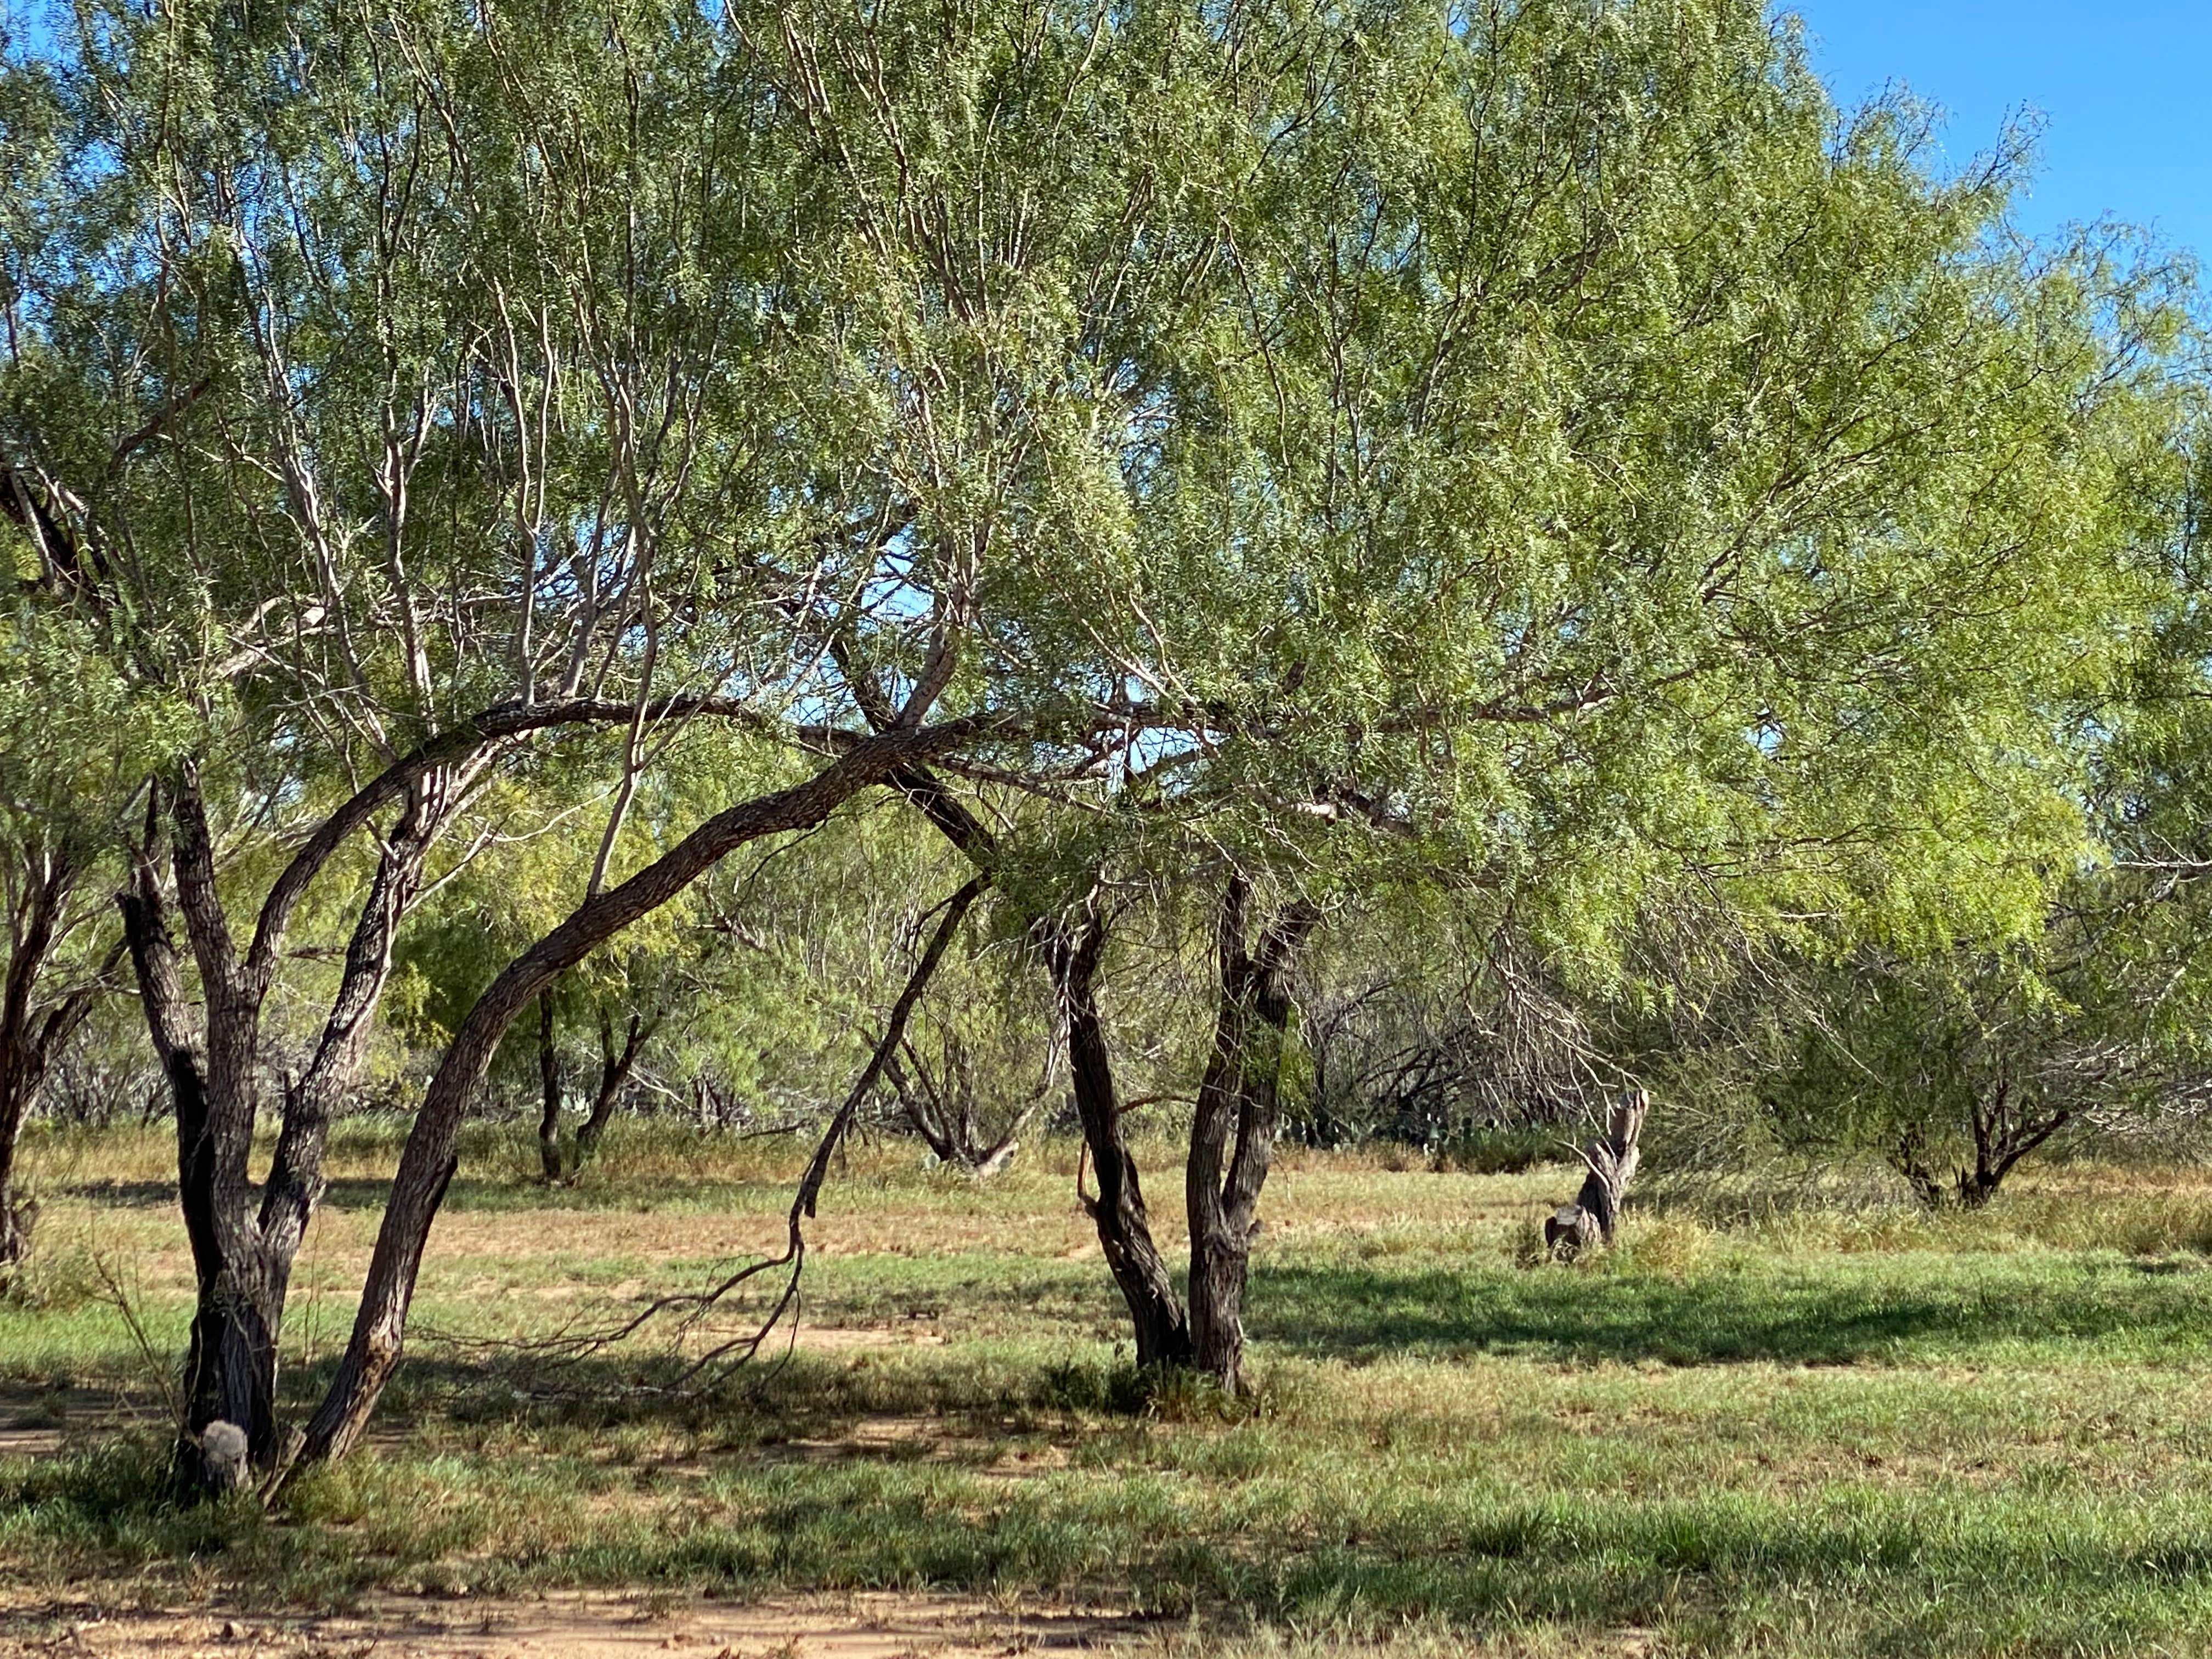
(2124, 88)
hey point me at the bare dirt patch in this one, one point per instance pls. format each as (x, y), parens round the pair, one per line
(868, 1626)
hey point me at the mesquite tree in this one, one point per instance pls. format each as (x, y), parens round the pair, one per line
(1612, 474)
(1306, 453)
(986, 226)
(336, 418)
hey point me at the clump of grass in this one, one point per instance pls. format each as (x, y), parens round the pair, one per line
(61, 1276)
(1671, 1247)
(1524, 1242)
(1776, 1190)
(2134, 1223)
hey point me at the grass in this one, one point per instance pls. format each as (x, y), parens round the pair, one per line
(1822, 1431)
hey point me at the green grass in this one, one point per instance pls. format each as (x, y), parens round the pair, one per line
(1825, 1433)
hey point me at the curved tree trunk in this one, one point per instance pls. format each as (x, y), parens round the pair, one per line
(1125, 1233)
(429, 1160)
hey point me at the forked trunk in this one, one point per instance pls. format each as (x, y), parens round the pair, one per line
(2002, 1136)
(614, 1069)
(616, 1065)
(1241, 1096)
(244, 1243)
(944, 1115)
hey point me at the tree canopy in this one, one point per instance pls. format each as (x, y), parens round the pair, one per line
(645, 502)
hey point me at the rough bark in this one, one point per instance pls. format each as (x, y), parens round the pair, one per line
(428, 1161)
(244, 1244)
(230, 1339)
(1073, 949)
(1240, 1096)
(1595, 1215)
(1073, 952)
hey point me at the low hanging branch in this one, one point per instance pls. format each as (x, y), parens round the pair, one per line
(1592, 1218)
(693, 1306)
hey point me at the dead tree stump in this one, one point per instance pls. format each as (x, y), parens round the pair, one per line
(1592, 1217)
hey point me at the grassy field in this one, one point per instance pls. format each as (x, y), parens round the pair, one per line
(1831, 1432)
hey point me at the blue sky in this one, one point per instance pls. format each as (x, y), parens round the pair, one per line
(2124, 89)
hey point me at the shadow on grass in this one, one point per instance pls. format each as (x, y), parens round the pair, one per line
(1831, 1312)
(1862, 1571)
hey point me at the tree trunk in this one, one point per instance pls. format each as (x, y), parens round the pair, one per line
(1073, 952)
(1595, 1215)
(946, 1123)
(16, 1213)
(14, 1106)
(428, 1161)
(1241, 1094)
(243, 1252)
(2002, 1138)
(230, 1365)
(548, 1083)
(1910, 1160)
(614, 1067)
(1125, 1234)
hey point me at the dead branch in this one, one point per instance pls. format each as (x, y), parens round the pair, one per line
(692, 1307)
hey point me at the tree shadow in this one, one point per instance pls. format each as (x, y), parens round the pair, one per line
(1833, 1315)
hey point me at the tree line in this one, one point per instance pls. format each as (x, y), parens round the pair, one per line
(1271, 557)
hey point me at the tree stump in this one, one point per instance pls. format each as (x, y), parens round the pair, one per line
(1591, 1219)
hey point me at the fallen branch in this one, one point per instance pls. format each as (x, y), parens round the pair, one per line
(693, 1306)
